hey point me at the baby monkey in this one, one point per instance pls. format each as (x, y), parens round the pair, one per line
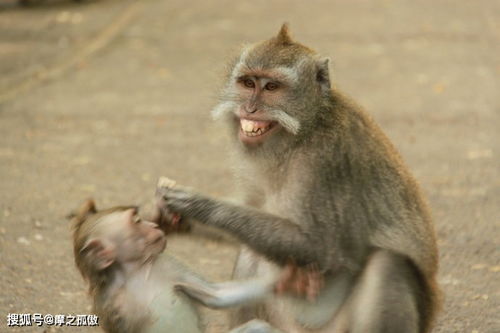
(137, 288)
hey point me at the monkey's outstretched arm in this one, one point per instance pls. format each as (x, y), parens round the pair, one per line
(279, 239)
(227, 294)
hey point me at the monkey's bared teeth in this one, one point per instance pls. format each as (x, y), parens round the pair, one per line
(254, 127)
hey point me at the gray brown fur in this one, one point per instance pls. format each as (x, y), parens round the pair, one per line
(151, 297)
(336, 194)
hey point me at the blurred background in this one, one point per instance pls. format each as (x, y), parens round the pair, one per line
(100, 98)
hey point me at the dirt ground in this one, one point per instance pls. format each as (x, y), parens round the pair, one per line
(100, 98)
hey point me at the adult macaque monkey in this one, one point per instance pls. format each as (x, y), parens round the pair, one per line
(136, 289)
(324, 186)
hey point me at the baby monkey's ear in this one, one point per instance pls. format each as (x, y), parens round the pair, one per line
(86, 209)
(98, 254)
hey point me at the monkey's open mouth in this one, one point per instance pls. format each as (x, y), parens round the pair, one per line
(252, 129)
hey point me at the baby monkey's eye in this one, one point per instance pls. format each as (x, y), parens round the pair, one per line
(271, 86)
(137, 219)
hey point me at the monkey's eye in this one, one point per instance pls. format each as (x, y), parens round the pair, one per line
(271, 86)
(248, 83)
(137, 219)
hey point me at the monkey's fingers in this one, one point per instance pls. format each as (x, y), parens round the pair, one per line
(285, 280)
(296, 280)
(168, 221)
(301, 282)
(315, 282)
(178, 224)
(279, 288)
(176, 219)
(171, 220)
(166, 182)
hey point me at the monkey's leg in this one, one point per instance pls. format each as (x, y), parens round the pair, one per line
(255, 326)
(387, 297)
(228, 294)
(244, 268)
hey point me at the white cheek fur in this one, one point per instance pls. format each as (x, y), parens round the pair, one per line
(222, 109)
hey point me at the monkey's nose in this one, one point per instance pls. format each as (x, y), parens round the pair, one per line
(250, 108)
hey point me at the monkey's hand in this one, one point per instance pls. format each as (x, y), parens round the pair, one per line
(169, 220)
(301, 281)
(182, 201)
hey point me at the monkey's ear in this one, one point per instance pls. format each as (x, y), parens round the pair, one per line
(323, 74)
(284, 35)
(87, 208)
(99, 254)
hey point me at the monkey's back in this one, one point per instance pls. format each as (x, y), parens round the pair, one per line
(398, 214)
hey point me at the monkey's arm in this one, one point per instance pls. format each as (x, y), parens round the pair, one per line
(227, 294)
(279, 239)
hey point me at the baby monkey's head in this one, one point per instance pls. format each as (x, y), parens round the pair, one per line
(113, 239)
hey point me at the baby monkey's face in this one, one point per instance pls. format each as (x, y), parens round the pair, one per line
(132, 238)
